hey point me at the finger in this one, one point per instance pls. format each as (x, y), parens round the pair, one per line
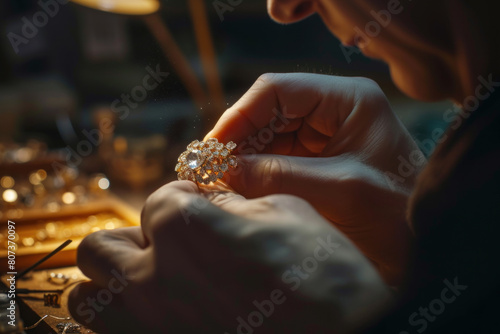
(288, 98)
(101, 310)
(270, 95)
(103, 254)
(169, 204)
(261, 175)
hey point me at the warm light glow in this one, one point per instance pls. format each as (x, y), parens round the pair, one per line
(9, 196)
(34, 179)
(127, 7)
(103, 183)
(68, 198)
(41, 174)
(28, 242)
(7, 182)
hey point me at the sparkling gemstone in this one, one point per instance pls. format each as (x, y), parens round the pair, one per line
(189, 175)
(213, 140)
(220, 175)
(199, 178)
(215, 168)
(212, 177)
(182, 156)
(232, 161)
(219, 146)
(206, 180)
(231, 145)
(225, 153)
(178, 167)
(223, 167)
(194, 159)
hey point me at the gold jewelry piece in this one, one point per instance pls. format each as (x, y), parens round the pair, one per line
(69, 327)
(206, 162)
(58, 278)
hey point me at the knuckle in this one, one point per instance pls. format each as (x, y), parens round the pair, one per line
(267, 78)
(286, 201)
(92, 243)
(368, 83)
(371, 95)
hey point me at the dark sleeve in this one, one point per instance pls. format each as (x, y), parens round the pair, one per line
(454, 285)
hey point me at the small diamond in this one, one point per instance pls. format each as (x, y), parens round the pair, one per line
(189, 175)
(194, 159)
(192, 144)
(215, 168)
(220, 175)
(219, 146)
(206, 180)
(212, 177)
(232, 161)
(178, 167)
(213, 140)
(225, 153)
(182, 156)
(216, 153)
(199, 178)
(207, 166)
(231, 145)
(206, 151)
(223, 167)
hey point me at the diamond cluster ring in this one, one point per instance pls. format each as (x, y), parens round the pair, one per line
(205, 162)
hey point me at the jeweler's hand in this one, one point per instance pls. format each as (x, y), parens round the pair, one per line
(217, 262)
(335, 142)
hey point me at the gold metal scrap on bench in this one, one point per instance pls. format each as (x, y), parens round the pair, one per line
(206, 162)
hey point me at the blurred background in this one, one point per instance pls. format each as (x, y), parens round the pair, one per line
(107, 93)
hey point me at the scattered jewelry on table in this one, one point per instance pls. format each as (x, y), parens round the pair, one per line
(58, 278)
(43, 318)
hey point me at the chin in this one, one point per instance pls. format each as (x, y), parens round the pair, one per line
(419, 85)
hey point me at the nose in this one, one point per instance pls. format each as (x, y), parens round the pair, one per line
(289, 11)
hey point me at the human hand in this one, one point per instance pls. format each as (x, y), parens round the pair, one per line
(335, 142)
(217, 262)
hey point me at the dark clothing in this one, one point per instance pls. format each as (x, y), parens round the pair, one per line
(455, 214)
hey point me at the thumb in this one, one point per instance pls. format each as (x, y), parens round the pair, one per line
(320, 180)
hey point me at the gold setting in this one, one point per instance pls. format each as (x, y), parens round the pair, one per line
(205, 162)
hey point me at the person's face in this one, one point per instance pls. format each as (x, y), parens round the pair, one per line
(411, 38)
